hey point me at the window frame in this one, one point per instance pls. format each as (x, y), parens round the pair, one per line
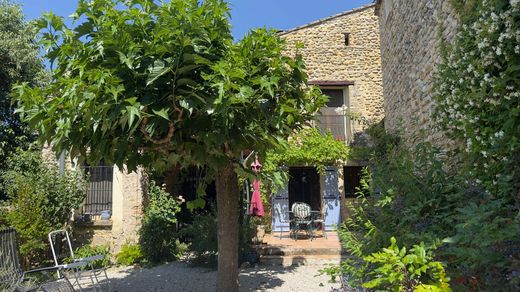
(346, 103)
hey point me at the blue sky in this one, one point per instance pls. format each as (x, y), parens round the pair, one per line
(245, 14)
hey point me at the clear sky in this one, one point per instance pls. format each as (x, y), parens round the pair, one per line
(245, 14)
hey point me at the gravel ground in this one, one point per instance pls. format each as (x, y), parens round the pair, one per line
(179, 276)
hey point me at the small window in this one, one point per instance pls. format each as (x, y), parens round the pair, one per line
(335, 97)
(352, 181)
(347, 38)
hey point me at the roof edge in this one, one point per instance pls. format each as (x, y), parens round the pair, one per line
(322, 20)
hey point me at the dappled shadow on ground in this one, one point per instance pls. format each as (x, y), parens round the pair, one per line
(180, 276)
(264, 277)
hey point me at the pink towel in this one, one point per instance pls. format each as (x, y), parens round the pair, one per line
(256, 208)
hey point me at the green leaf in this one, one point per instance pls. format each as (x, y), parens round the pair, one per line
(162, 113)
(133, 113)
(159, 69)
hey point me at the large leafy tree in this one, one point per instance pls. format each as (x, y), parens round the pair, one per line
(141, 83)
(19, 62)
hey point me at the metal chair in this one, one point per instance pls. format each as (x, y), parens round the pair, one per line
(302, 217)
(12, 277)
(283, 219)
(81, 268)
(318, 218)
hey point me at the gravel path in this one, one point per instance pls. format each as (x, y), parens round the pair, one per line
(179, 276)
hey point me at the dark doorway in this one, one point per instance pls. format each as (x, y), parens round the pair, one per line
(352, 176)
(304, 186)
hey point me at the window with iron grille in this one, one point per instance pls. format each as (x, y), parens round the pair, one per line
(99, 189)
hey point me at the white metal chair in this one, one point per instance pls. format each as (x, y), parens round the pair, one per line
(283, 219)
(302, 217)
(13, 278)
(81, 268)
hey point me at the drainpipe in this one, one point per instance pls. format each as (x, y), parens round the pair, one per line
(61, 162)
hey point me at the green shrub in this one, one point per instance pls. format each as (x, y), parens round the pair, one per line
(40, 199)
(202, 235)
(157, 234)
(414, 196)
(394, 269)
(89, 250)
(129, 254)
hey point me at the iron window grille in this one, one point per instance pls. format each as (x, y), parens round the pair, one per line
(99, 189)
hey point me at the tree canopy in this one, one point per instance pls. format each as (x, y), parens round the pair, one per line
(145, 83)
(150, 83)
(19, 62)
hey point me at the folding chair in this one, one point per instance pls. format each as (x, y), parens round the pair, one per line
(12, 277)
(82, 269)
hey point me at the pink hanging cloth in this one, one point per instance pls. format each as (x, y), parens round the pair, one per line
(256, 208)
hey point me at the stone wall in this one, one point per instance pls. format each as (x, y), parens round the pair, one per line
(128, 193)
(328, 58)
(410, 51)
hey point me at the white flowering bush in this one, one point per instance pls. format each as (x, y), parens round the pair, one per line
(478, 104)
(478, 91)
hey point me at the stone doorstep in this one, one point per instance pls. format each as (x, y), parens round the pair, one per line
(308, 260)
(274, 250)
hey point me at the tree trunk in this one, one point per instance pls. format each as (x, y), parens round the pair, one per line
(227, 217)
(171, 179)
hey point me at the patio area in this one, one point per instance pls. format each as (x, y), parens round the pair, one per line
(287, 251)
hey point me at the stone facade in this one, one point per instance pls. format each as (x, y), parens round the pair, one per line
(410, 50)
(330, 59)
(340, 52)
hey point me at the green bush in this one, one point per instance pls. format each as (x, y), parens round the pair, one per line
(394, 269)
(202, 235)
(129, 254)
(414, 196)
(89, 250)
(157, 234)
(40, 199)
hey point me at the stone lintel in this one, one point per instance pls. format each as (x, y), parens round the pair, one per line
(331, 83)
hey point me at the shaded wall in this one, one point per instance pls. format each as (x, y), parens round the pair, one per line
(410, 51)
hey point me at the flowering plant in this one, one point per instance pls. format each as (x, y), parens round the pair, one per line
(478, 91)
(477, 103)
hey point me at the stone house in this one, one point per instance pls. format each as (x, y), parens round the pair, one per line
(112, 211)
(411, 33)
(342, 55)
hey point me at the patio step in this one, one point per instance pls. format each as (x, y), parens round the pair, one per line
(308, 260)
(286, 251)
(274, 250)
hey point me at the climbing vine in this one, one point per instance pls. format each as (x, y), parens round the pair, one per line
(308, 147)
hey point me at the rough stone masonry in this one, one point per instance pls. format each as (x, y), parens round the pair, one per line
(329, 57)
(411, 33)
